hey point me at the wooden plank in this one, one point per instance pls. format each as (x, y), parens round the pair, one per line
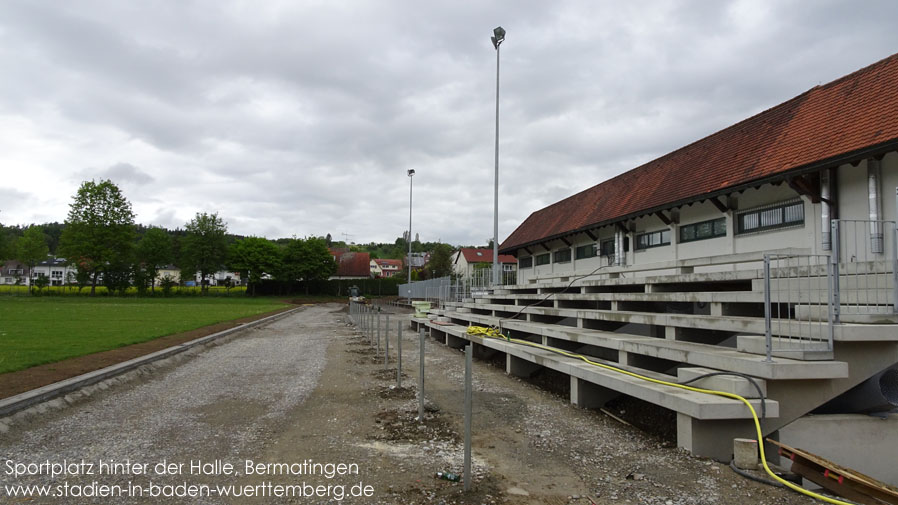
(843, 481)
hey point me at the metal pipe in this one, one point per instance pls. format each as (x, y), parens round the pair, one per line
(825, 225)
(873, 195)
(469, 353)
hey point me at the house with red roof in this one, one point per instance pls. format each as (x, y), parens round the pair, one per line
(773, 181)
(385, 268)
(352, 265)
(468, 259)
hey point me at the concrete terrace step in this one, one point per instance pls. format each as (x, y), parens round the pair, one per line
(720, 358)
(736, 324)
(690, 297)
(695, 405)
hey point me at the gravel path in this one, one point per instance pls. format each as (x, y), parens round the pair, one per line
(221, 405)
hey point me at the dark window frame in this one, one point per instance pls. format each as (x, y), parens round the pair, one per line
(539, 259)
(559, 256)
(716, 231)
(660, 233)
(525, 262)
(788, 214)
(581, 254)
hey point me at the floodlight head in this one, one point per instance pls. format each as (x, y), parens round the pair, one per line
(411, 172)
(498, 36)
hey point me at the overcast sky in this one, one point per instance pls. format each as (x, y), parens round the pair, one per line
(302, 117)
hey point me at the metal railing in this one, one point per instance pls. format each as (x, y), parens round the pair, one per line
(865, 254)
(798, 303)
(455, 288)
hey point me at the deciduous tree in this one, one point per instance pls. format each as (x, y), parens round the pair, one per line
(440, 262)
(307, 260)
(99, 230)
(253, 257)
(31, 249)
(204, 247)
(153, 250)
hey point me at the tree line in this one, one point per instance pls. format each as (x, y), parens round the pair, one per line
(99, 237)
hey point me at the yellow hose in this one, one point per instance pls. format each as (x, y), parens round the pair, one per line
(494, 333)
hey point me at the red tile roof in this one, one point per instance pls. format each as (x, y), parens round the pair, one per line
(485, 256)
(848, 118)
(389, 262)
(354, 264)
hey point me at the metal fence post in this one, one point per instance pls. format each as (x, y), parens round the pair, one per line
(836, 247)
(421, 375)
(387, 342)
(468, 413)
(378, 333)
(767, 308)
(399, 354)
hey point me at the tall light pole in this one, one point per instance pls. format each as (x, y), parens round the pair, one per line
(411, 173)
(497, 38)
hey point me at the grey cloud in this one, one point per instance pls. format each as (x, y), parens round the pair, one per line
(302, 119)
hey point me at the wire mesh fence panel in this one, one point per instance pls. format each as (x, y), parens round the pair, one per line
(864, 253)
(798, 303)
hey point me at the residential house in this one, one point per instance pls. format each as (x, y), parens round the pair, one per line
(467, 259)
(385, 268)
(170, 271)
(14, 272)
(353, 265)
(57, 270)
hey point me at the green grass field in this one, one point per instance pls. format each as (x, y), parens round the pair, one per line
(38, 330)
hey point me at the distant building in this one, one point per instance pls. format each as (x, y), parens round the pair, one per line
(56, 269)
(468, 259)
(14, 272)
(385, 268)
(351, 265)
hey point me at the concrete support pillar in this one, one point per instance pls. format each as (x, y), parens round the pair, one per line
(712, 439)
(716, 309)
(671, 332)
(614, 305)
(455, 342)
(623, 358)
(483, 352)
(519, 367)
(545, 340)
(586, 395)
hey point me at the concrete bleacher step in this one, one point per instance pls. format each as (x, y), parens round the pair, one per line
(729, 383)
(721, 358)
(737, 324)
(805, 350)
(695, 405)
(687, 296)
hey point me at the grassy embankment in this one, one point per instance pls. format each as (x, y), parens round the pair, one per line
(38, 330)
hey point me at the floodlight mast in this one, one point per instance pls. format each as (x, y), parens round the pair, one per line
(497, 38)
(411, 173)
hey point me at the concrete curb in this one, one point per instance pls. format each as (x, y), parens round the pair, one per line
(27, 399)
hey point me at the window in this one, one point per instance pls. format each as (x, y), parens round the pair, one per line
(586, 251)
(607, 247)
(703, 230)
(542, 259)
(508, 267)
(563, 256)
(770, 217)
(525, 262)
(652, 239)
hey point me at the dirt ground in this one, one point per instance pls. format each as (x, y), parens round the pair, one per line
(529, 446)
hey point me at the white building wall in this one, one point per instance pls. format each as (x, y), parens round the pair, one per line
(853, 204)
